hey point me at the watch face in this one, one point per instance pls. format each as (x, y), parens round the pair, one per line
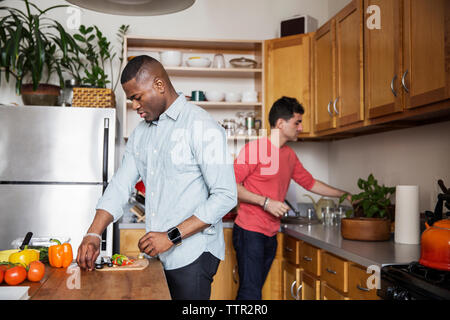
(173, 233)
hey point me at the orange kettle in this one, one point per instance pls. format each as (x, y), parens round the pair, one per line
(435, 240)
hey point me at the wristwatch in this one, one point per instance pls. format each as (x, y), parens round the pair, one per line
(174, 235)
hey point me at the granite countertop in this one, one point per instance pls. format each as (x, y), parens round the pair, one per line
(365, 253)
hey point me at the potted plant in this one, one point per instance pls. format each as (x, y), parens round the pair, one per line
(33, 48)
(372, 212)
(88, 68)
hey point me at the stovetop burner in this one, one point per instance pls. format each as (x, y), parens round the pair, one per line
(414, 281)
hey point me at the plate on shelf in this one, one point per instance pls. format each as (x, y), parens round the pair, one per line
(243, 63)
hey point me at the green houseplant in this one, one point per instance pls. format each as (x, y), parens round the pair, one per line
(372, 211)
(33, 48)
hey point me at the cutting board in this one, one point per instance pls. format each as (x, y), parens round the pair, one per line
(140, 264)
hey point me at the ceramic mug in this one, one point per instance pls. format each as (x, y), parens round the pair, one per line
(197, 95)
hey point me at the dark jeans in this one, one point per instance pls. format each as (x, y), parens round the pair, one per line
(255, 253)
(193, 282)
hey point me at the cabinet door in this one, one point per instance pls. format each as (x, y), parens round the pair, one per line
(310, 287)
(226, 280)
(291, 281)
(426, 72)
(358, 284)
(324, 77)
(329, 293)
(383, 60)
(288, 73)
(349, 103)
(273, 287)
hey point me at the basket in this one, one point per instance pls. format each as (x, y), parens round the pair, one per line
(93, 98)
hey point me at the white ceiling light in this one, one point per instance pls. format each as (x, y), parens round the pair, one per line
(134, 7)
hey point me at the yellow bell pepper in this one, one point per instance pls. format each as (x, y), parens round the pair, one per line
(24, 257)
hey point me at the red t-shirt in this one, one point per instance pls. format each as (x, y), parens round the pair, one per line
(264, 169)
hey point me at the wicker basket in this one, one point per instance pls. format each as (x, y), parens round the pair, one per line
(93, 98)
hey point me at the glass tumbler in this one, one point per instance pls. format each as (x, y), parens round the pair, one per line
(218, 61)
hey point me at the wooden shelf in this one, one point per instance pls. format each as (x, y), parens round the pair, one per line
(213, 72)
(242, 138)
(221, 104)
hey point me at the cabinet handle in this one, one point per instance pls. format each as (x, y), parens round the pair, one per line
(403, 81)
(288, 249)
(306, 258)
(292, 288)
(234, 274)
(334, 106)
(297, 297)
(329, 111)
(331, 271)
(392, 86)
(362, 289)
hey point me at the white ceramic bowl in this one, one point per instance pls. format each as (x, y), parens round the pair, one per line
(171, 58)
(250, 96)
(214, 95)
(198, 62)
(233, 96)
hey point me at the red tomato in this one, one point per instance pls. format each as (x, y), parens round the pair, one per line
(1, 275)
(36, 271)
(15, 275)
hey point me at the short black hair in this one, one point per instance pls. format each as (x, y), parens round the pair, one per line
(134, 66)
(284, 108)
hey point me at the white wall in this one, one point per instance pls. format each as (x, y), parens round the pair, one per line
(415, 156)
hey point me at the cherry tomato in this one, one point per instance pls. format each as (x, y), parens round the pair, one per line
(15, 275)
(36, 271)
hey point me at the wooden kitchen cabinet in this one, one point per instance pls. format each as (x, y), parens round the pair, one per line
(406, 61)
(310, 287)
(273, 287)
(288, 73)
(335, 271)
(310, 259)
(357, 286)
(129, 239)
(338, 70)
(291, 281)
(329, 293)
(226, 280)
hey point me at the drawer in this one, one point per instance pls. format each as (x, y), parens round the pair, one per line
(328, 293)
(310, 258)
(291, 249)
(310, 287)
(335, 271)
(357, 286)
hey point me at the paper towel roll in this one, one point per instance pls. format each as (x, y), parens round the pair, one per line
(407, 215)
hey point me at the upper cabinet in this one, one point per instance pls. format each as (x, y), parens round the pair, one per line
(406, 61)
(338, 70)
(288, 73)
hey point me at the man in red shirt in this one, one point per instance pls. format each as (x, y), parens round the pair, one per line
(263, 170)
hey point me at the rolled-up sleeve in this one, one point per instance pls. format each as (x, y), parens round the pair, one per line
(121, 185)
(216, 165)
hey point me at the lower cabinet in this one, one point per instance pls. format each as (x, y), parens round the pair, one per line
(329, 293)
(291, 281)
(226, 281)
(273, 287)
(358, 286)
(310, 287)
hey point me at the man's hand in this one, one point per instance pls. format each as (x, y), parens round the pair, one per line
(277, 208)
(154, 243)
(88, 251)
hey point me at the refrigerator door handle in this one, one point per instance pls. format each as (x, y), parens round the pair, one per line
(105, 153)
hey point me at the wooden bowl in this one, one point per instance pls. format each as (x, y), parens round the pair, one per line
(366, 229)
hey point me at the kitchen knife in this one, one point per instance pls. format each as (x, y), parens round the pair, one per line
(26, 241)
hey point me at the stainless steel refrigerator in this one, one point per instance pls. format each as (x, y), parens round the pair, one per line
(55, 163)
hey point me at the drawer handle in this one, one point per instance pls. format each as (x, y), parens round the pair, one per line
(403, 81)
(392, 86)
(331, 271)
(328, 108)
(306, 258)
(362, 289)
(334, 106)
(288, 249)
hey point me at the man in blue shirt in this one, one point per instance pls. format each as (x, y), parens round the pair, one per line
(180, 152)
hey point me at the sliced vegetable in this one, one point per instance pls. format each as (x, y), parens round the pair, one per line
(121, 260)
(60, 255)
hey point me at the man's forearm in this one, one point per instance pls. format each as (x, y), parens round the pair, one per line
(191, 226)
(247, 196)
(323, 189)
(101, 220)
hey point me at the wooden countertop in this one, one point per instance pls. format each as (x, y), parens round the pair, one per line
(147, 284)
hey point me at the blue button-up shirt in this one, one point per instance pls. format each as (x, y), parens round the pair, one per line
(184, 162)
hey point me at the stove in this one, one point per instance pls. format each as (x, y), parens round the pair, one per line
(414, 282)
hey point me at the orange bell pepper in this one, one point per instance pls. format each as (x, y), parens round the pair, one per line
(60, 255)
